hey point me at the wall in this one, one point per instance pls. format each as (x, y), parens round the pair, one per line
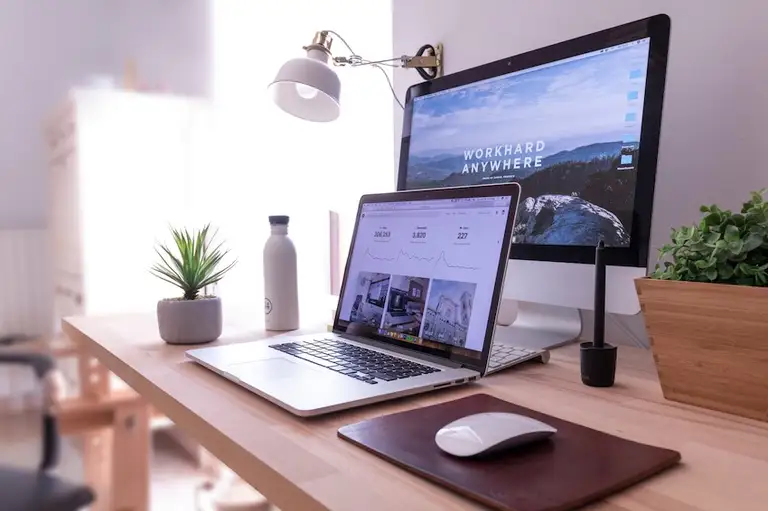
(49, 46)
(716, 102)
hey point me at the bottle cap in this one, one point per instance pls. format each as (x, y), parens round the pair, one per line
(278, 220)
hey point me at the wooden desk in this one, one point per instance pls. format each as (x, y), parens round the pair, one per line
(300, 464)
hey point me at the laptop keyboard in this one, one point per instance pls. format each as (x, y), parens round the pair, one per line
(356, 362)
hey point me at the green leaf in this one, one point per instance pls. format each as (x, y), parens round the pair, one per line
(735, 247)
(711, 274)
(712, 238)
(731, 233)
(752, 242)
(193, 264)
(739, 220)
(702, 264)
(725, 271)
(738, 258)
(712, 218)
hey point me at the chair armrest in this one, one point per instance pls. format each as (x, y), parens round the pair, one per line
(44, 367)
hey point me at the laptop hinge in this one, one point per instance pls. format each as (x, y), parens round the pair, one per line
(403, 351)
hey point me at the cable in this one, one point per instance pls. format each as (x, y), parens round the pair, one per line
(428, 74)
(342, 40)
(389, 82)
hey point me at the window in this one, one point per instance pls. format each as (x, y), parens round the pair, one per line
(267, 162)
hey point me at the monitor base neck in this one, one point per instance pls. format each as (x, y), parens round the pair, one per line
(536, 325)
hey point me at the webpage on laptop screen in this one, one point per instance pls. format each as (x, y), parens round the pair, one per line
(424, 271)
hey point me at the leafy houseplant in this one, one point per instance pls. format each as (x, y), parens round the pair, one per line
(191, 264)
(705, 311)
(724, 248)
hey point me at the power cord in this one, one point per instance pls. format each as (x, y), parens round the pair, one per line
(389, 82)
(428, 74)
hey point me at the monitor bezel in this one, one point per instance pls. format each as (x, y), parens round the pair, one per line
(511, 189)
(657, 28)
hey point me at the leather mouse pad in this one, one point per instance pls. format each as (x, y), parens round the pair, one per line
(576, 466)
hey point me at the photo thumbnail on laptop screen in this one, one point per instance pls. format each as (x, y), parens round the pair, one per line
(423, 272)
(567, 131)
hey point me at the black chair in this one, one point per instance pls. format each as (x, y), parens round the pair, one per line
(38, 490)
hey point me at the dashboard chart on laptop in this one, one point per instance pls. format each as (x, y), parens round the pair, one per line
(425, 272)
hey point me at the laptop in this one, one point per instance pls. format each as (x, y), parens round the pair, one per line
(416, 312)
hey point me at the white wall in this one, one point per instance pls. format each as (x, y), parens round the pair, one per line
(48, 46)
(714, 130)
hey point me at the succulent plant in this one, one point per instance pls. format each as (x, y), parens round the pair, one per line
(193, 263)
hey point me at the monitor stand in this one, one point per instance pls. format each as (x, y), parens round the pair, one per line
(536, 325)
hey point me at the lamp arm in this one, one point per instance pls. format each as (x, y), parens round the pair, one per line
(428, 61)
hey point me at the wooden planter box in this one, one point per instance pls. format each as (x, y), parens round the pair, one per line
(710, 343)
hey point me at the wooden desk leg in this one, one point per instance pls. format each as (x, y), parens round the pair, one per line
(117, 461)
(97, 460)
(131, 445)
(94, 377)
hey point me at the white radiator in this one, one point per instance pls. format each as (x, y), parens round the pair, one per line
(26, 287)
(26, 306)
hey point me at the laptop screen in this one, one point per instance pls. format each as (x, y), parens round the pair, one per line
(423, 272)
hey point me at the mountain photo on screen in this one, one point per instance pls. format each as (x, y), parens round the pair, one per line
(568, 132)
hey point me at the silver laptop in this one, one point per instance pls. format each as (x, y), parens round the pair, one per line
(416, 312)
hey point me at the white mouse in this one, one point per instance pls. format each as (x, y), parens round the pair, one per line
(484, 433)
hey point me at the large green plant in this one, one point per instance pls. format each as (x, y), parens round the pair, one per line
(725, 247)
(195, 262)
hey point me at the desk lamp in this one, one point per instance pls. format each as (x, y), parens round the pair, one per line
(308, 87)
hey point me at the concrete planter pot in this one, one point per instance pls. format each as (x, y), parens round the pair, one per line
(189, 321)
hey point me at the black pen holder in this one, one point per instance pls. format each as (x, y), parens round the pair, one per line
(598, 364)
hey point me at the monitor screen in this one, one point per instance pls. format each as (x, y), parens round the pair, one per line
(424, 272)
(568, 131)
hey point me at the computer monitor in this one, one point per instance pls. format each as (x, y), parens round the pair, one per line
(577, 124)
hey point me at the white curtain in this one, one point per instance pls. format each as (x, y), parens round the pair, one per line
(267, 162)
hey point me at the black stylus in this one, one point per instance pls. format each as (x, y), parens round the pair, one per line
(599, 333)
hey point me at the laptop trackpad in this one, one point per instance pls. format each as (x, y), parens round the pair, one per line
(269, 369)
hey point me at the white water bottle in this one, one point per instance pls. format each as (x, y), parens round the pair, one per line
(281, 292)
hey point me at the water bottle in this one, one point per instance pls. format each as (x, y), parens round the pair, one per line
(281, 293)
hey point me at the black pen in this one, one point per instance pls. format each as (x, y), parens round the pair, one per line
(599, 333)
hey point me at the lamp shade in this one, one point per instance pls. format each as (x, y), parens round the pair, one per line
(308, 88)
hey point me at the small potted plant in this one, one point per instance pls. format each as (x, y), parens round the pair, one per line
(195, 263)
(706, 311)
